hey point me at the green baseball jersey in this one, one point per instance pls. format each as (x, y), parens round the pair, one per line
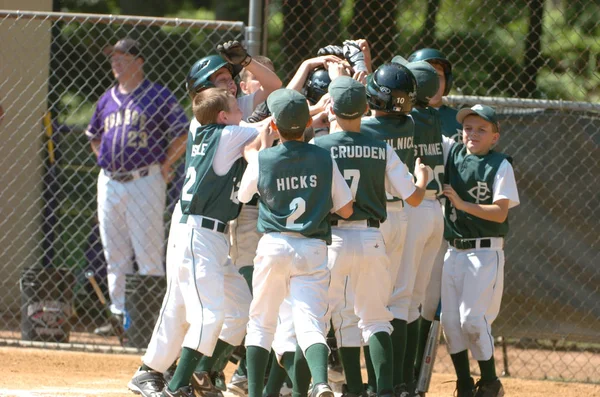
(295, 184)
(396, 131)
(472, 177)
(450, 126)
(428, 146)
(204, 192)
(362, 161)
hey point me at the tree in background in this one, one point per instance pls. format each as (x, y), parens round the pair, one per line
(427, 37)
(296, 35)
(532, 59)
(376, 22)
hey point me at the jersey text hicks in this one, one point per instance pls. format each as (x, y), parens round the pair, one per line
(296, 182)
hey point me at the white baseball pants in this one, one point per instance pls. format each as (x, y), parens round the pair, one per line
(226, 304)
(131, 222)
(472, 283)
(360, 280)
(423, 238)
(291, 264)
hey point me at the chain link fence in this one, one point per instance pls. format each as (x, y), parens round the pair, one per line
(56, 71)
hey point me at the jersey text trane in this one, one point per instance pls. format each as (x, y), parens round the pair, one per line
(296, 182)
(352, 152)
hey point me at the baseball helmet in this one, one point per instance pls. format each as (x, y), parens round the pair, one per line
(428, 82)
(197, 78)
(430, 54)
(317, 84)
(392, 88)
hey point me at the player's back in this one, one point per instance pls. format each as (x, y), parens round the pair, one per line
(204, 192)
(295, 185)
(429, 147)
(362, 161)
(396, 131)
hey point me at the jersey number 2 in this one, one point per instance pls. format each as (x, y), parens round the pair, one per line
(298, 207)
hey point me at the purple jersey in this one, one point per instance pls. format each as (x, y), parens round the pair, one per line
(135, 129)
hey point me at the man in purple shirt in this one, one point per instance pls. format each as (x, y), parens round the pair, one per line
(137, 132)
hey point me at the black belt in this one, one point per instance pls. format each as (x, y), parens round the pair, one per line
(128, 176)
(370, 223)
(210, 224)
(207, 224)
(463, 244)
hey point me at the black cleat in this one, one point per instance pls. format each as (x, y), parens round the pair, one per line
(465, 388)
(321, 390)
(147, 383)
(491, 388)
(185, 391)
(202, 385)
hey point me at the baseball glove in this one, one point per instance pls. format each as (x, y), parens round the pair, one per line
(331, 50)
(355, 56)
(234, 53)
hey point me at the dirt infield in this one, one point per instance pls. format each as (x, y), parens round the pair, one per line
(53, 373)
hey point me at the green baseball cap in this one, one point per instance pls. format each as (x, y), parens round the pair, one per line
(349, 97)
(289, 110)
(485, 112)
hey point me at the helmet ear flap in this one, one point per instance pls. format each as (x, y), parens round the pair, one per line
(449, 81)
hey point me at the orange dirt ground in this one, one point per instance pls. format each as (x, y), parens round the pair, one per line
(52, 373)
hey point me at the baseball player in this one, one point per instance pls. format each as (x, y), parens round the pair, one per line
(291, 178)
(162, 350)
(451, 128)
(391, 94)
(357, 256)
(480, 188)
(137, 132)
(219, 71)
(208, 201)
(425, 222)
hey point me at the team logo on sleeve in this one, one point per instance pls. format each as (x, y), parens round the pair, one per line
(481, 192)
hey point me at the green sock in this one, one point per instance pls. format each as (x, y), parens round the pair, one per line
(206, 364)
(242, 369)
(287, 360)
(302, 372)
(258, 358)
(371, 378)
(412, 339)
(275, 379)
(399, 347)
(380, 347)
(461, 365)
(187, 364)
(424, 326)
(488, 369)
(350, 357)
(222, 361)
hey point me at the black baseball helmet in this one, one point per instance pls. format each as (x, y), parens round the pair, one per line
(197, 78)
(428, 82)
(392, 88)
(317, 84)
(431, 54)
